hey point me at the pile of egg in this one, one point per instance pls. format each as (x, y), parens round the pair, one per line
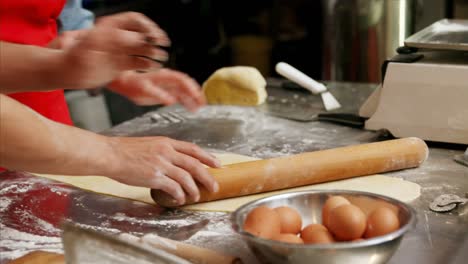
(341, 221)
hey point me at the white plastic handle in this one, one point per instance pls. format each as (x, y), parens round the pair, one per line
(293, 74)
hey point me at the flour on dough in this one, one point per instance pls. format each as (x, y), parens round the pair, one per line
(390, 186)
(397, 188)
(239, 85)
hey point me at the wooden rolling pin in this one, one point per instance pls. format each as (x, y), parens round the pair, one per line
(309, 168)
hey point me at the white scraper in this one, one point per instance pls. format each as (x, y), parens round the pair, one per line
(293, 74)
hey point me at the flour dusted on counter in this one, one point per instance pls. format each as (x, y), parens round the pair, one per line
(163, 224)
(219, 226)
(20, 186)
(39, 224)
(218, 235)
(101, 228)
(132, 220)
(16, 188)
(16, 243)
(4, 203)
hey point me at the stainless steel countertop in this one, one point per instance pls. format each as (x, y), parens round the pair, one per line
(31, 208)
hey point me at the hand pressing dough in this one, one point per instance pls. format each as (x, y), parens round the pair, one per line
(390, 186)
(104, 185)
(239, 85)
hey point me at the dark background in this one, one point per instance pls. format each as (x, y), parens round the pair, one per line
(202, 31)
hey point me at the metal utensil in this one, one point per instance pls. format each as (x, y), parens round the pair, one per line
(462, 159)
(346, 119)
(168, 117)
(447, 202)
(445, 34)
(194, 254)
(299, 105)
(89, 246)
(309, 204)
(359, 35)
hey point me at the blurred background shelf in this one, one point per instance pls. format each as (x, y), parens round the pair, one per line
(207, 35)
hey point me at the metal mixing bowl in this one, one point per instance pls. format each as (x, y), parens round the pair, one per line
(309, 204)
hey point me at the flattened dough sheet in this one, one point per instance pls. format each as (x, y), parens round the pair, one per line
(390, 186)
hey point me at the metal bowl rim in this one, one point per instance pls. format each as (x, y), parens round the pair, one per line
(235, 216)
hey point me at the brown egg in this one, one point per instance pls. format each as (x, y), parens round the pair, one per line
(347, 222)
(311, 229)
(329, 204)
(290, 219)
(262, 222)
(380, 222)
(288, 238)
(317, 236)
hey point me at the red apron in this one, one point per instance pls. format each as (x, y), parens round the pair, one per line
(33, 22)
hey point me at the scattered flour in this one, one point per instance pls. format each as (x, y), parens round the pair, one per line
(15, 243)
(15, 188)
(218, 228)
(178, 222)
(4, 203)
(39, 224)
(99, 228)
(57, 191)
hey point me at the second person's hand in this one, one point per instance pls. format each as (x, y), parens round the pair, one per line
(125, 41)
(162, 86)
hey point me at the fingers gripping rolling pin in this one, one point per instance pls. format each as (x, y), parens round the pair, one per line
(309, 168)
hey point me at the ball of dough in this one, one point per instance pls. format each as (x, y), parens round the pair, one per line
(239, 85)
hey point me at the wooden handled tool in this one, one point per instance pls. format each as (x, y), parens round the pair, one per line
(194, 254)
(40, 257)
(309, 168)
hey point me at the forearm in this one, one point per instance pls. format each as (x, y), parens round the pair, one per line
(30, 142)
(30, 68)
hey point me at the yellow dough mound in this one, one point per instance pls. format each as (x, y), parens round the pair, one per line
(239, 85)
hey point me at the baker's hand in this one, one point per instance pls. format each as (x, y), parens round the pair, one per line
(162, 163)
(125, 41)
(136, 22)
(163, 86)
